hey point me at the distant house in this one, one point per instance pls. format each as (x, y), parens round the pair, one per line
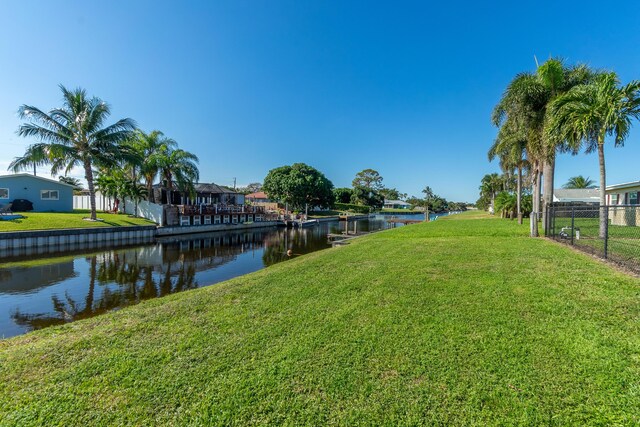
(396, 204)
(260, 198)
(47, 195)
(576, 195)
(623, 194)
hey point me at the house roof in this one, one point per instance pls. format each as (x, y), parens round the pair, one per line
(624, 185)
(257, 195)
(576, 195)
(202, 187)
(396, 202)
(28, 175)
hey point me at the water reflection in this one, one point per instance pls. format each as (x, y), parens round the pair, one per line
(52, 289)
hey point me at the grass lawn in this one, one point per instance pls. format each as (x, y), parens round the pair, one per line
(460, 321)
(323, 214)
(401, 211)
(50, 220)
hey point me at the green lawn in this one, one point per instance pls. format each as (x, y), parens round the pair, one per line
(400, 211)
(459, 321)
(51, 220)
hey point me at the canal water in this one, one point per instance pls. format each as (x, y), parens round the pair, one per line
(44, 290)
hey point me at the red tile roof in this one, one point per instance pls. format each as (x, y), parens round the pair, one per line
(258, 195)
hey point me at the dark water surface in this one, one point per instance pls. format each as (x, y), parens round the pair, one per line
(45, 290)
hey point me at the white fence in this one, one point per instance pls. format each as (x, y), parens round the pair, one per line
(102, 203)
(146, 209)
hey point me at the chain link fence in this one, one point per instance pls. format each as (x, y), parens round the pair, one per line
(617, 240)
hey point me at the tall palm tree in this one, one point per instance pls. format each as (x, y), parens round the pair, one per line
(588, 113)
(73, 135)
(579, 182)
(179, 170)
(526, 102)
(428, 195)
(151, 147)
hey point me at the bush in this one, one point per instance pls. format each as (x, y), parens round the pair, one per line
(351, 207)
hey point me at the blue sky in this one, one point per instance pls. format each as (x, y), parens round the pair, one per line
(405, 88)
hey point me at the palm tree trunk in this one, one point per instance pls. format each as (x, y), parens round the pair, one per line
(548, 170)
(88, 174)
(519, 194)
(150, 194)
(603, 189)
(535, 202)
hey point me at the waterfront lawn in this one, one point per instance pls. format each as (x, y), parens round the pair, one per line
(56, 220)
(461, 321)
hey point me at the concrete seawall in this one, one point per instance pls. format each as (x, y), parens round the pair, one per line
(193, 229)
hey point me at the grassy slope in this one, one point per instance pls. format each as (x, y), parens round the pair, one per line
(51, 220)
(454, 322)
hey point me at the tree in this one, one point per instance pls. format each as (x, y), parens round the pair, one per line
(588, 113)
(579, 182)
(73, 136)
(178, 170)
(152, 148)
(428, 195)
(254, 187)
(369, 179)
(367, 197)
(510, 148)
(526, 103)
(392, 194)
(342, 195)
(299, 186)
(490, 185)
(77, 184)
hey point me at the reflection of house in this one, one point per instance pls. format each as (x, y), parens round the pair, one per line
(260, 198)
(624, 194)
(396, 204)
(207, 194)
(576, 195)
(47, 195)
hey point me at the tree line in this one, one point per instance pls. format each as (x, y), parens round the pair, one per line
(558, 108)
(299, 186)
(119, 159)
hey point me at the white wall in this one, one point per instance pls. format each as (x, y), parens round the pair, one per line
(146, 209)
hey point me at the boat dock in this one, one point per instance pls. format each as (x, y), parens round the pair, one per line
(402, 221)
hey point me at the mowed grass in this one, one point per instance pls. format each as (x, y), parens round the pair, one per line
(52, 220)
(456, 322)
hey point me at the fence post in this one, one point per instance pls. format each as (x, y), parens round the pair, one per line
(606, 231)
(573, 222)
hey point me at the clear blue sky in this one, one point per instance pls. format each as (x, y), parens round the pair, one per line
(404, 88)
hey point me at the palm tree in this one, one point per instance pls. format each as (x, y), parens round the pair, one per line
(490, 185)
(151, 147)
(428, 195)
(526, 102)
(588, 113)
(73, 135)
(510, 148)
(179, 170)
(77, 185)
(579, 182)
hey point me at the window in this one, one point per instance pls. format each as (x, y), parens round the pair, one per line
(614, 199)
(4, 193)
(49, 195)
(633, 198)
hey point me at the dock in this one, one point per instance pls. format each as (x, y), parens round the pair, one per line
(395, 221)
